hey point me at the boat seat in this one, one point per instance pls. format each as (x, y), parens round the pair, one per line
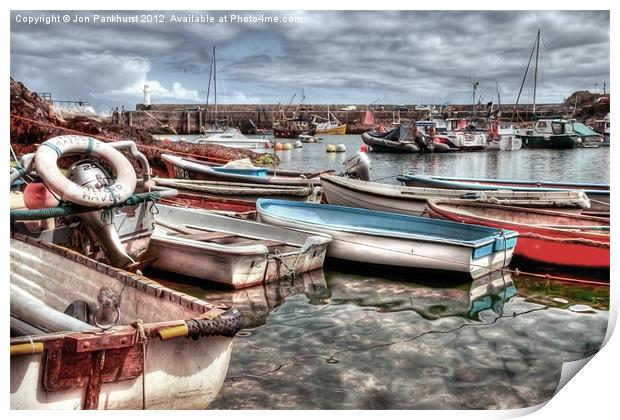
(209, 236)
(268, 243)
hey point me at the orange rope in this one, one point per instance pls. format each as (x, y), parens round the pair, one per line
(69, 130)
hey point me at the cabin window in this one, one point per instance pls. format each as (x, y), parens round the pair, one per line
(541, 124)
(557, 128)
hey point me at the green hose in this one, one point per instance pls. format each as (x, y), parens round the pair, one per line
(63, 211)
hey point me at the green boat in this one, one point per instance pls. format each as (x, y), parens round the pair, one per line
(589, 138)
(549, 133)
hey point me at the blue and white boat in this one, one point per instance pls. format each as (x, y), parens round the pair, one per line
(597, 193)
(393, 239)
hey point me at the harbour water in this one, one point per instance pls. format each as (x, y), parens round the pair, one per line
(572, 165)
(346, 338)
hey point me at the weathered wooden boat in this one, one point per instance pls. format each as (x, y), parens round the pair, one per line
(87, 335)
(393, 239)
(545, 236)
(243, 209)
(239, 190)
(245, 166)
(237, 253)
(179, 167)
(597, 193)
(412, 200)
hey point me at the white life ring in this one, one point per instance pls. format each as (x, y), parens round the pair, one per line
(46, 166)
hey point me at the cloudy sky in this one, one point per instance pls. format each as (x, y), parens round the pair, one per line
(335, 57)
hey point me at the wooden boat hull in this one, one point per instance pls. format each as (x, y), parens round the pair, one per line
(179, 373)
(378, 144)
(537, 241)
(340, 130)
(239, 191)
(243, 209)
(186, 169)
(412, 200)
(597, 193)
(273, 253)
(395, 248)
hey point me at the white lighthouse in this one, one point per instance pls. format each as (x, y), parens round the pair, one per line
(147, 96)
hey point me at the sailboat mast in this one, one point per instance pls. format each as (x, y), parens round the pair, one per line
(209, 89)
(215, 85)
(536, 73)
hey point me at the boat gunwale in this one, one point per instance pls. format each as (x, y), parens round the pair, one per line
(481, 187)
(436, 206)
(490, 239)
(142, 284)
(400, 191)
(604, 187)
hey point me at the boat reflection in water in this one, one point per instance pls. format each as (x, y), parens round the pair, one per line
(379, 341)
(257, 302)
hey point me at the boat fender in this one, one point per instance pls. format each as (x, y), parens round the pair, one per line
(46, 159)
(227, 324)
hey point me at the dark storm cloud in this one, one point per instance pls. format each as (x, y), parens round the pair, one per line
(341, 57)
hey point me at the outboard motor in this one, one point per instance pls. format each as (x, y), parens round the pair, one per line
(91, 174)
(358, 166)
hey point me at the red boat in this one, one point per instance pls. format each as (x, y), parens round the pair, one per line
(245, 209)
(545, 236)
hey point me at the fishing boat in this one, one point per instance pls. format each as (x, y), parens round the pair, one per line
(545, 236)
(331, 125)
(412, 200)
(88, 335)
(588, 138)
(214, 190)
(291, 127)
(603, 128)
(393, 239)
(237, 253)
(598, 194)
(179, 167)
(549, 133)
